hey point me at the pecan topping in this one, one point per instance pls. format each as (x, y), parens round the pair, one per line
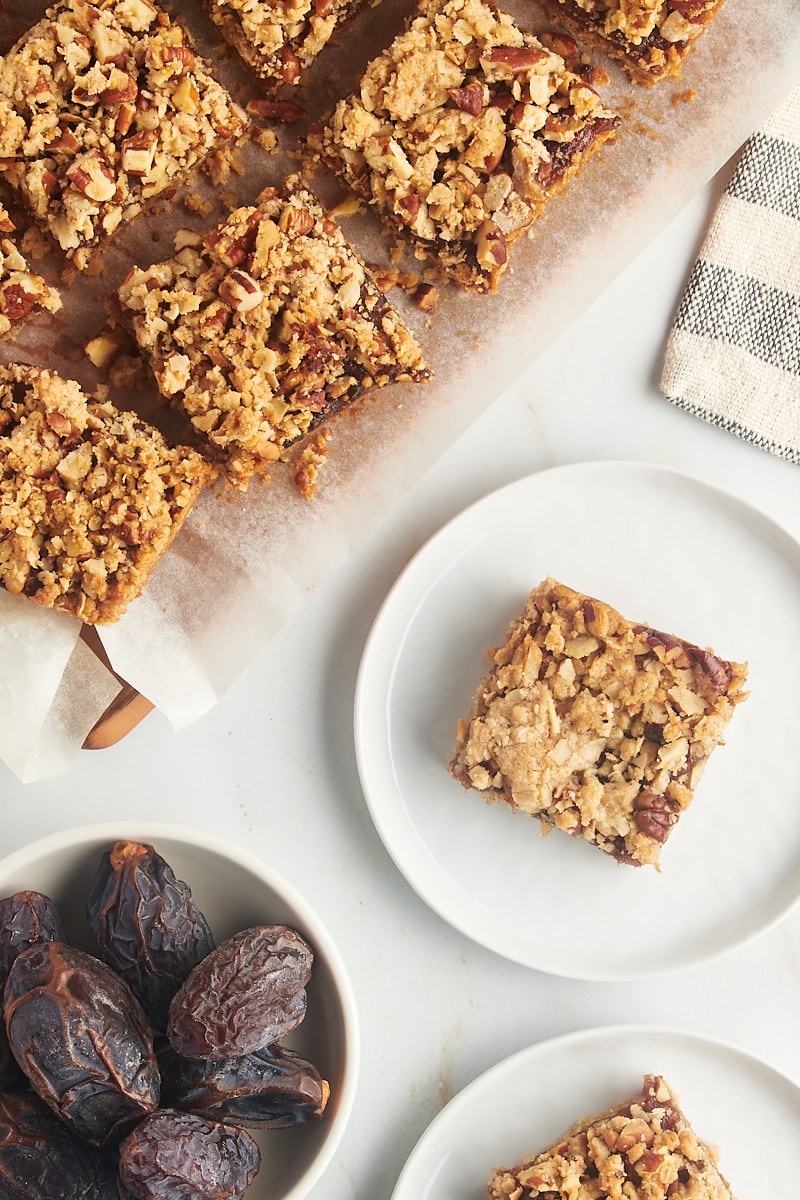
(240, 291)
(295, 221)
(269, 109)
(16, 302)
(469, 99)
(138, 152)
(653, 816)
(718, 672)
(516, 58)
(290, 69)
(491, 246)
(122, 89)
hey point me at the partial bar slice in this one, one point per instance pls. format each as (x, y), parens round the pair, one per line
(90, 497)
(641, 1149)
(651, 38)
(594, 724)
(22, 291)
(278, 41)
(460, 132)
(266, 327)
(103, 107)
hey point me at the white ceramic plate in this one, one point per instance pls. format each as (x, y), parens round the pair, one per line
(746, 1109)
(664, 548)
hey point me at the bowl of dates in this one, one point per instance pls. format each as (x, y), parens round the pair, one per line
(177, 1023)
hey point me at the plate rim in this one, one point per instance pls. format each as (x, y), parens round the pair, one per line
(463, 516)
(528, 1055)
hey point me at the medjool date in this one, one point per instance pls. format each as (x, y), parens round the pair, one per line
(272, 1088)
(26, 918)
(247, 993)
(147, 925)
(82, 1039)
(40, 1159)
(179, 1156)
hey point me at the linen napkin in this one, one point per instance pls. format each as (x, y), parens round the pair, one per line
(733, 354)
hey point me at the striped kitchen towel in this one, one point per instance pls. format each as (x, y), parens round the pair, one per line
(733, 354)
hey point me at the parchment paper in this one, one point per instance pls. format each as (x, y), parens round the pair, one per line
(243, 564)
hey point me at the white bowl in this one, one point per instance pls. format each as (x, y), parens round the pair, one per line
(234, 890)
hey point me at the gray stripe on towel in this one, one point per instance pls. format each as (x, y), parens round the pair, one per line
(769, 174)
(764, 321)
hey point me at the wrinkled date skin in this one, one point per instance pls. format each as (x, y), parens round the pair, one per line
(180, 1156)
(270, 1089)
(81, 1037)
(40, 1159)
(147, 925)
(246, 994)
(26, 919)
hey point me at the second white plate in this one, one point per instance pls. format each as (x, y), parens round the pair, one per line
(664, 548)
(735, 1102)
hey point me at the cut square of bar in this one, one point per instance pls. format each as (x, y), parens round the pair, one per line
(651, 38)
(641, 1149)
(265, 327)
(278, 41)
(90, 497)
(462, 130)
(103, 107)
(594, 724)
(22, 291)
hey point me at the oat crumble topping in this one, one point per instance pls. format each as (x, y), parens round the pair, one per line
(460, 132)
(280, 39)
(103, 107)
(22, 291)
(90, 497)
(596, 725)
(642, 1149)
(650, 37)
(265, 327)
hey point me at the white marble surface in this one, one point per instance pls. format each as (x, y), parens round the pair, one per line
(272, 766)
